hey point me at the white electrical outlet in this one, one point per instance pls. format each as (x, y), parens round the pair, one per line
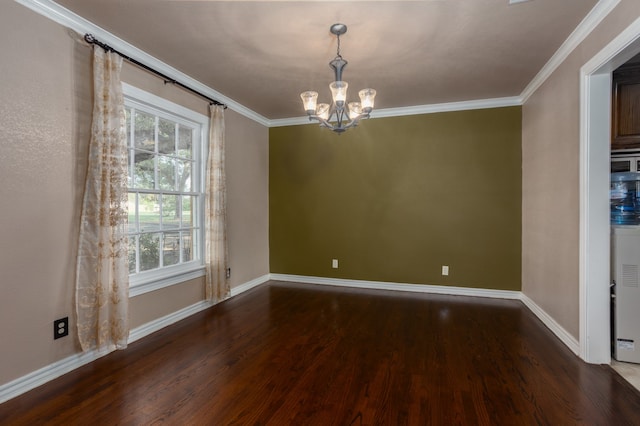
(334, 263)
(445, 270)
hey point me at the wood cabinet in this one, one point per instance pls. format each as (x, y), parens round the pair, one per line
(625, 120)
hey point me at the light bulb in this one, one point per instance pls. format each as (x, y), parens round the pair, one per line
(309, 100)
(339, 91)
(366, 98)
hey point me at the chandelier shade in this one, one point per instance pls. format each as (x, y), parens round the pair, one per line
(340, 115)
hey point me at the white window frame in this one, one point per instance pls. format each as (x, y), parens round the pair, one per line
(144, 282)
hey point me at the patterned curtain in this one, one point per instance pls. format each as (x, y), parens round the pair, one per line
(102, 270)
(216, 256)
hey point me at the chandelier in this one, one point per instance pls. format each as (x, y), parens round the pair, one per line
(340, 115)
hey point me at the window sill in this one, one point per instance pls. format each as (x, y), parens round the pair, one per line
(138, 287)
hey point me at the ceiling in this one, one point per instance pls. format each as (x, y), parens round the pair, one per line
(262, 54)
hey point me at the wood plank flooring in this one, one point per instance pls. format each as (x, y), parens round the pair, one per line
(297, 354)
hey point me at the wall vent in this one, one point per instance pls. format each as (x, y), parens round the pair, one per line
(630, 275)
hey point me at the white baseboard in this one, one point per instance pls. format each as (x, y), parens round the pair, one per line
(562, 334)
(415, 288)
(45, 374)
(53, 371)
(160, 323)
(167, 320)
(250, 284)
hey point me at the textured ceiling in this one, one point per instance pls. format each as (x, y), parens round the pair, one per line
(263, 54)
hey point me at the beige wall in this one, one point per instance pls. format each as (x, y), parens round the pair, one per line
(550, 172)
(45, 106)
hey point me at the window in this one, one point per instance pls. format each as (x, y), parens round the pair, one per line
(166, 197)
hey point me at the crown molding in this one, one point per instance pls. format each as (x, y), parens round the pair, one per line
(417, 109)
(292, 121)
(448, 106)
(65, 17)
(586, 26)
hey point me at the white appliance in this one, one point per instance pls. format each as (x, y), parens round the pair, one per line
(625, 270)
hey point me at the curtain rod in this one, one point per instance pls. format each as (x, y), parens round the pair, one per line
(89, 38)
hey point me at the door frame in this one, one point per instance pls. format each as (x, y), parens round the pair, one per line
(595, 130)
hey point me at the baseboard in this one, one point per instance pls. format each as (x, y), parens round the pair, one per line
(45, 374)
(415, 288)
(562, 334)
(160, 323)
(155, 325)
(250, 284)
(53, 371)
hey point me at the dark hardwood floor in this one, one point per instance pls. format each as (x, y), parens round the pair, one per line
(296, 354)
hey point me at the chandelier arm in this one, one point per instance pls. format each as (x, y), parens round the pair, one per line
(322, 121)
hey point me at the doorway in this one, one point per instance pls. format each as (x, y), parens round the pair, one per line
(595, 125)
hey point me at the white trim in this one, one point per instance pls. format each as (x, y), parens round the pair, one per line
(167, 281)
(77, 23)
(54, 370)
(45, 374)
(292, 121)
(69, 19)
(588, 24)
(417, 109)
(415, 288)
(594, 261)
(163, 104)
(147, 281)
(165, 321)
(448, 106)
(57, 369)
(562, 334)
(249, 285)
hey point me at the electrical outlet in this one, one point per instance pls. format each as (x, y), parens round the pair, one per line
(334, 263)
(445, 270)
(61, 328)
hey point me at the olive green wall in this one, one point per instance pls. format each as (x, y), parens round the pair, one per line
(397, 198)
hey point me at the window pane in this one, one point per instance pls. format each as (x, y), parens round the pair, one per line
(131, 206)
(166, 173)
(145, 125)
(144, 170)
(184, 176)
(170, 211)
(127, 112)
(132, 254)
(185, 140)
(187, 246)
(166, 137)
(149, 253)
(171, 249)
(149, 212)
(187, 216)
